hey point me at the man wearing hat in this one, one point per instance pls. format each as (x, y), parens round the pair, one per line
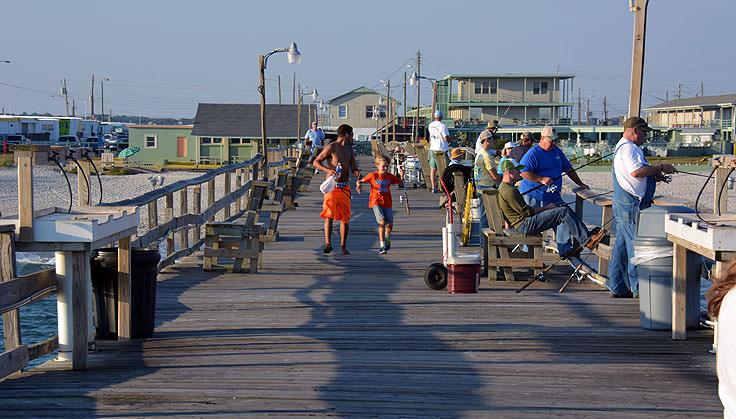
(633, 190)
(439, 140)
(529, 220)
(525, 144)
(491, 129)
(456, 165)
(544, 165)
(315, 135)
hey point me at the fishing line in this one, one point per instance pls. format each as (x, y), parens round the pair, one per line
(574, 168)
(700, 193)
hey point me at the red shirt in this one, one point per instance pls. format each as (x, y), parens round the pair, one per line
(380, 194)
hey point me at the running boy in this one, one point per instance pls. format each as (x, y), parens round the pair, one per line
(380, 200)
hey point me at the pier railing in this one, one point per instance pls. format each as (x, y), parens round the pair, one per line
(14, 294)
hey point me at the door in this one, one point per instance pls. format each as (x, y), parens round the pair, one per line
(181, 146)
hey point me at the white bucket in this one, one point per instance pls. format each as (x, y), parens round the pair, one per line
(475, 209)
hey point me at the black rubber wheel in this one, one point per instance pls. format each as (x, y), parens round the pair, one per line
(435, 276)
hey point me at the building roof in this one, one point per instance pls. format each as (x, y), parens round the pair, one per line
(695, 102)
(361, 89)
(244, 120)
(509, 76)
(159, 126)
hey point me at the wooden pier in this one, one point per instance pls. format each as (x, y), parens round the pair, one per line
(362, 335)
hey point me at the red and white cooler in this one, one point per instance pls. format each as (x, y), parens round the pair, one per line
(463, 273)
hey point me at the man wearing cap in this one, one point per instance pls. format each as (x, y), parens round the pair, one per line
(315, 135)
(633, 190)
(525, 144)
(439, 140)
(544, 165)
(485, 171)
(491, 129)
(530, 220)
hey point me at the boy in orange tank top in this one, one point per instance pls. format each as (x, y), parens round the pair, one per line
(380, 200)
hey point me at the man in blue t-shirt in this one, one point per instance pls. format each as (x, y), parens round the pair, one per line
(542, 164)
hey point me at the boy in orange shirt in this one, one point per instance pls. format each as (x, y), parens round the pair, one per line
(380, 200)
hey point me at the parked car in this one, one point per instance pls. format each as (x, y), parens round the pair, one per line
(69, 141)
(114, 142)
(17, 139)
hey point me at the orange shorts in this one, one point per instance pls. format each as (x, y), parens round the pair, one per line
(336, 205)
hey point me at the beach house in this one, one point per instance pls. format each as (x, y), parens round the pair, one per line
(364, 109)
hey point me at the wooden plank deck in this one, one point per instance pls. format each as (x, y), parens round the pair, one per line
(361, 335)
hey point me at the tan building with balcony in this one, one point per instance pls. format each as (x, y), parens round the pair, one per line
(711, 112)
(512, 99)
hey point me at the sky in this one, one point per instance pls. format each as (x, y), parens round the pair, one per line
(162, 57)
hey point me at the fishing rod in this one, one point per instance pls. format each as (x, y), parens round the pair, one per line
(574, 168)
(54, 157)
(70, 155)
(403, 183)
(85, 154)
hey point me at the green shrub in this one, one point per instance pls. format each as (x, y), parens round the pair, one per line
(6, 161)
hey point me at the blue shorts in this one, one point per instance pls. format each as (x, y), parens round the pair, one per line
(386, 214)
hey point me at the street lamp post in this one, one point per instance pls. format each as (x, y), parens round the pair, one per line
(415, 80)
(294, 57)
(303, 93)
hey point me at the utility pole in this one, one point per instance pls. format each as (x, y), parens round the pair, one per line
(419, 73)
(701, 89)
(74, 108)
(279, 78)
(639, 7)
(405, 124)
(66, 98)
(388, 107)
(587, 112)
(679, 87)
(605, 112)
(298, 111)
(579, 108)
(92, 99)
(667, 95)
(293, 90)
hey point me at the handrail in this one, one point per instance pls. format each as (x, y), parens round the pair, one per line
(162, 192)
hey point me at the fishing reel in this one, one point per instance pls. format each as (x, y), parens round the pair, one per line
(663, 178)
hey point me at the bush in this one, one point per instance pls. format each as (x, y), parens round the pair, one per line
(119, 171)
(6, 161)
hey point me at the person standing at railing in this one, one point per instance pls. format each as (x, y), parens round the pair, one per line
(338, 160)
(315, 135)
(633, 190)
(439, 140)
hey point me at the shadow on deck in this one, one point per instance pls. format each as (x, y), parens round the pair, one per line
(361, 335)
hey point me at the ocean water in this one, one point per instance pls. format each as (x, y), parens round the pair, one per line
(38, 321)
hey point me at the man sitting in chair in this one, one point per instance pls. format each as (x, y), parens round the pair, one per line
(530, 220)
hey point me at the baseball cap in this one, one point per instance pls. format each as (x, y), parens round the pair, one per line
(510, 144)
(438, 113)
(492, 124)
(549, 132)
(635, 122)
(509, 164)
(485, 134)
(314, 124)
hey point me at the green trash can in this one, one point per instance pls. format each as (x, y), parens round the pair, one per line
(142, 293)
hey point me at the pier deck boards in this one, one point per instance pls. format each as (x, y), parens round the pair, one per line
(361, 335)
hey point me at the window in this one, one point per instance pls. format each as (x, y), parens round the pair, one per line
(371, 109)
(150, 141)
(485, 87)
(342, 111)
(206, 140)
(217, 141)
(235, 141)
(540, 88)
(244, 141)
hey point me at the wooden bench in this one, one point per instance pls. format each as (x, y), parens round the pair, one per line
(497, 241)
(239, 240)
(273, 208)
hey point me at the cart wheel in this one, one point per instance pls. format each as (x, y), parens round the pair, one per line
(436, 276)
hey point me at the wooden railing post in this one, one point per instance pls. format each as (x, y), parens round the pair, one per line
(227, 192)
(152, 214)
(238, 184)
(197, 209)
(124, 268)
(11, 319)
(25, 194)
(183, 210)
(82, 184)
(211, 195)
(169, 214)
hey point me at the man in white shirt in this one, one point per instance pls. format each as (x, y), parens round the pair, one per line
(439, 140)
(491, 128)
(633, 191)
